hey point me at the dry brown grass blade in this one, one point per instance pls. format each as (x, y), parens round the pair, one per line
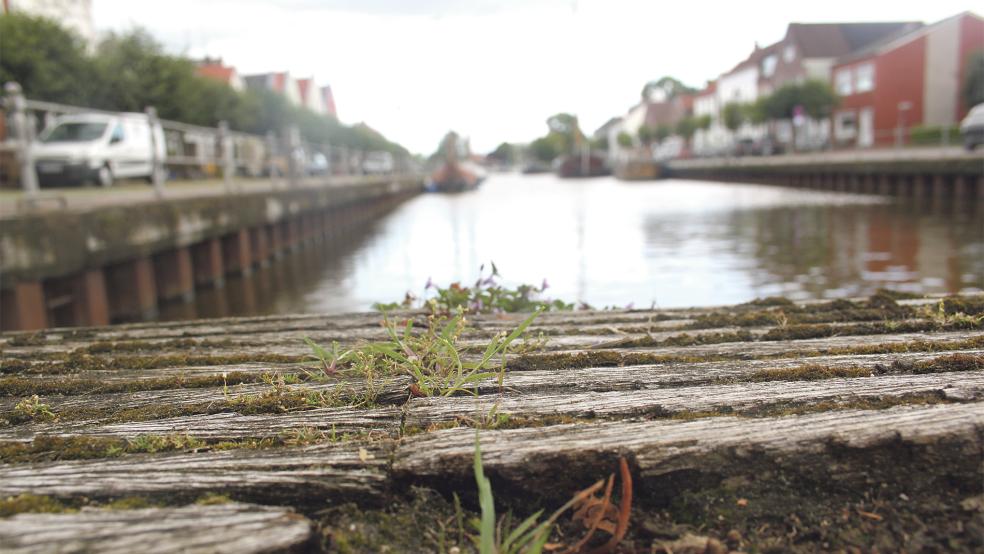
(624, 510)
(588, 503)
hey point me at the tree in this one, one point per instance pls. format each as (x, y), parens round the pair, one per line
(546, 148)
(566, 126)
(504, 153)
(624, 139)
(47, 60)
(973, 86)
(704, 122)
(816, 98)
(733, 116)
(131, 71)
(686, 127)
(600, 143)
(646, 134)
(670, 87)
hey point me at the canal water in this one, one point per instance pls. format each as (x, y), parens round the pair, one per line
(609, 243)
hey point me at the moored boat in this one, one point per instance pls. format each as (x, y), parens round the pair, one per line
(580, 165)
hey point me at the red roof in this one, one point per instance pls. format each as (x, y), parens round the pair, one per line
(216, 71)
(279, 81)
(303, 85)
(329, 99)
(832, 40)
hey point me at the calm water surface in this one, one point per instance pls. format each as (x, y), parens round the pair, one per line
(669, 243)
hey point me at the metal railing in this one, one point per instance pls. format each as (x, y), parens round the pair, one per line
(195, 152)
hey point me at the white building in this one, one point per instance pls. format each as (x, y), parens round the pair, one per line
(715, 140)
(280, 82)
(311, 97)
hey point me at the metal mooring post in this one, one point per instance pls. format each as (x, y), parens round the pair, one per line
(293, 147)
(228, 165)
(271, 156)
(156, 161)
(23, 137)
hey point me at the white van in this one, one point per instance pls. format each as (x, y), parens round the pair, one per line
(97, 148)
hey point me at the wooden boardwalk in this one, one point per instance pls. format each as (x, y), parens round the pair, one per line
(829, 426)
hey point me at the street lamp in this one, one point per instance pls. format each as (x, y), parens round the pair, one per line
(904, 107)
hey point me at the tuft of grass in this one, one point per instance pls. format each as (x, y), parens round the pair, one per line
(432, 357)
(528, 537)
(486, 295)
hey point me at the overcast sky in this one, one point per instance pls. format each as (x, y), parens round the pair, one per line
(491, 70)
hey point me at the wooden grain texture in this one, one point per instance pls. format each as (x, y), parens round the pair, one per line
(687, 417)
(743, 397)
(662, 446)
(319, 474)
(231, 528)
(225, 426)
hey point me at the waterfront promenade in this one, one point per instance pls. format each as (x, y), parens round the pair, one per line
(919, 172)
(95, 256)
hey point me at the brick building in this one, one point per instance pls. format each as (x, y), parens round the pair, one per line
(909, 79)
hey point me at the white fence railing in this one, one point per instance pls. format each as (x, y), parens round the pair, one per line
(193, 151)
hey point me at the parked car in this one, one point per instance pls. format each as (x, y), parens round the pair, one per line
(757, 147)
(972, 127)
(97, 148)
(318, 164)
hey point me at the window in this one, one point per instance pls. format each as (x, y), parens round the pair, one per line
(846, 125)
(789, 53)
(74, 132)
(769, 65)
(864, 77)
(117, 134)
(842, 82)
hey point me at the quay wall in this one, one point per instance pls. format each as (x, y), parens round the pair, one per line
(119, 262)
(953, 176)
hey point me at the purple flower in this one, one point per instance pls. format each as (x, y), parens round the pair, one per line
(429, 284)
(630, 305)
(544, 286)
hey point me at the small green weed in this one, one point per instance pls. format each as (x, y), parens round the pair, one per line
(432, 356)
(486, 295)
(530, 536)
(32, 409)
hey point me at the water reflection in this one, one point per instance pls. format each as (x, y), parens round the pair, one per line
(672, 243)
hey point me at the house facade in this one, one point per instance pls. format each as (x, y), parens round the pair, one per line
(280, 82)
(328, 100)
(906, 81)
(807, 51)
(216, 70)
(310, 97)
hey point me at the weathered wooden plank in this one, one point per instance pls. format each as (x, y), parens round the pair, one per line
(317, 474)
(650, 400)
(643, 376)
(741, 397)
(224, 426)
(369, 321)
(529, 456)
(791, 348)
(393, 390)
(352, 325)
(233, 527)
(389, 390)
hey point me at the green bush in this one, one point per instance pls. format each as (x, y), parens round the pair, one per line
(930, 135)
